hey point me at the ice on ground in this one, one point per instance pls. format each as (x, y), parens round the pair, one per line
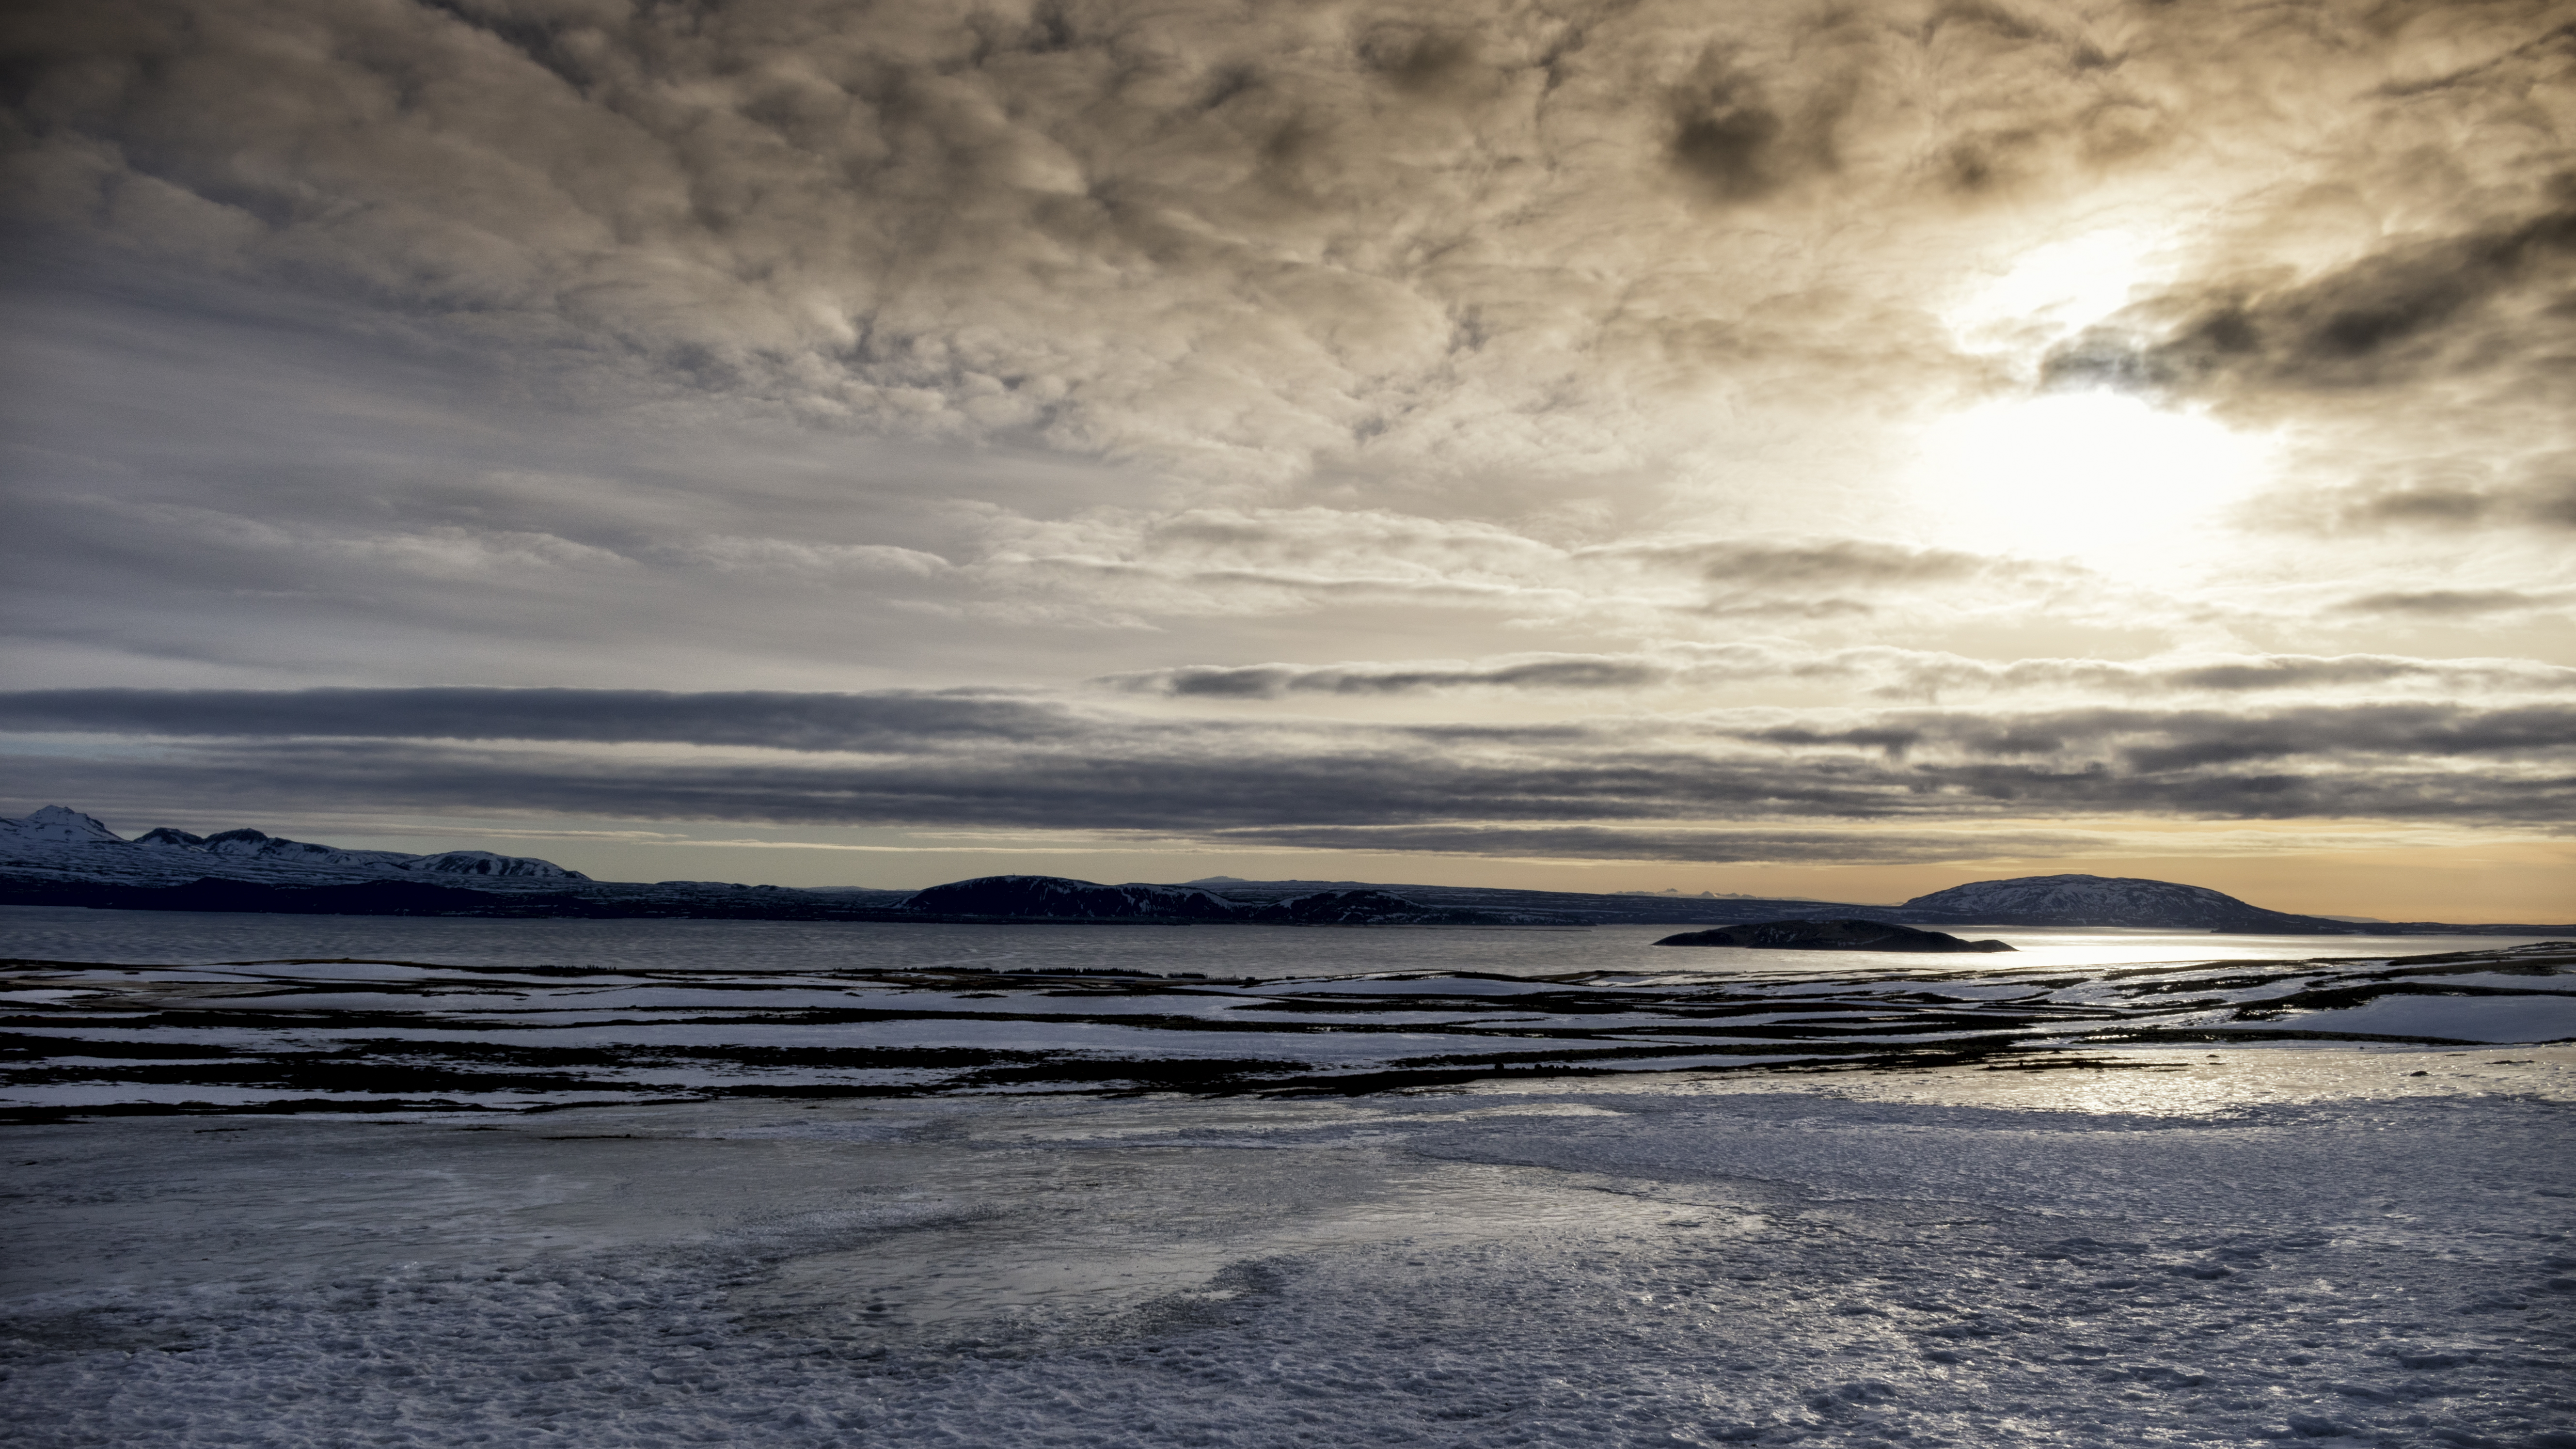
(410, 1034)
(2317, 1245)
(762, 947)
(2528, 1017)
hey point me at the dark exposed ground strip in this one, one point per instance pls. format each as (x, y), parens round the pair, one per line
(1845, 1030)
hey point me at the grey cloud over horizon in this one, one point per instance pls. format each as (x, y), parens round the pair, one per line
(2456, 603)
(1885, 671)
(899, 719)
(1009, 763)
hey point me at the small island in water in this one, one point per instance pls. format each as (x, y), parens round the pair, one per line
(1831, 935)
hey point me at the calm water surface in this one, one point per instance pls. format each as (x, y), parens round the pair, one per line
(1266, 952)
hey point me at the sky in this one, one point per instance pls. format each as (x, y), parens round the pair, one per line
(1776, 448)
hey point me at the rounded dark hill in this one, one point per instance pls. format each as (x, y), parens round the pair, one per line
(2093, 900)
(1365, 908)
(1830, 935)
(1055, 898)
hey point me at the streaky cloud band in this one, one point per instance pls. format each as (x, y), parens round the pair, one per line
(1887, 672)
(1022, 763)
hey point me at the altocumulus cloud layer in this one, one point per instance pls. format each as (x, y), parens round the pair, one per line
(1270, 235)
(1537, 429)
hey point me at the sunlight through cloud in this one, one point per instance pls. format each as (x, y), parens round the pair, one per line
(2113, 479)
(2054, 291)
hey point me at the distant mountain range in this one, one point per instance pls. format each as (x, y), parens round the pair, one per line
(59, 856)
(67, 839)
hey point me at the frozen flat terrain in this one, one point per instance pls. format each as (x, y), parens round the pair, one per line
(765, 1183)
(538, 1018)
(2331, 1245)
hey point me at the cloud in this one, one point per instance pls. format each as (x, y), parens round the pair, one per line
(1556, 361)
(1013, 764)
(843, 722)
(2150, 743)
(1225, 240)
(1272, 681)
(2418, 307)
(2442, 495)
(1283, 560)
(1884, 671)
(1594, 842)
(2454, 603)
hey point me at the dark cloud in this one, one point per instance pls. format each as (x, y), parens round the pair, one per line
(1434, 62)
(2487, 492)
(1592, 842)
(1885, 672)
(1275, 680)
(1733, 141)
(2148, 743)
(1842, 563)
(2450, 603)
(2540, 495)
(845, 722)
(924, 764)
(1835, 578)
(2396, 314)
(2487, 300)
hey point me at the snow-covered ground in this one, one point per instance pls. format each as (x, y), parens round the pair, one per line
(2330, 1245)
(876, 1187)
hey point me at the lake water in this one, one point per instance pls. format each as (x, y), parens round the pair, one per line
(47, 933)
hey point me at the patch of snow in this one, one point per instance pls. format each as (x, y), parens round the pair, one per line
(2495, 1019)
(57, 825)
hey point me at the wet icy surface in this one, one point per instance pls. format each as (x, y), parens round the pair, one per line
(408, 1033)
(818, 1199)
(2328, 1245)
(1266, 953)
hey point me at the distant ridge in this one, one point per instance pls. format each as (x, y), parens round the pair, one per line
(58, 856)
(1054, 898)
(2093, 900)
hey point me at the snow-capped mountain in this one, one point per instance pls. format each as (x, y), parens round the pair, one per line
(2093, 900)
(61, 842)
(56, 825)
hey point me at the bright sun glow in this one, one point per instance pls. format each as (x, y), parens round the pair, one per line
(2118, 482)
(2053, 291)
